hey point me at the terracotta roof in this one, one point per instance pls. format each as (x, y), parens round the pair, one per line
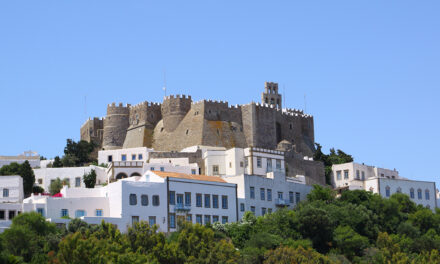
(165, 174)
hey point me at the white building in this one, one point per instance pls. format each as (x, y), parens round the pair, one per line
(32, 157)
(354, 176)
(125, 154)
(157, 197)
(75, 175)
(11, 198)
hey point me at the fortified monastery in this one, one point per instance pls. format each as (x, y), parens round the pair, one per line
(179, 123)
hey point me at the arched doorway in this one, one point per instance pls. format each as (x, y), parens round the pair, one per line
(121, 176)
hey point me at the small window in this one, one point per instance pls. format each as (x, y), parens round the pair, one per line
(207, 219)
(291, 199)
(151, 220)
(338, 175)
(155, 200)
(280, 195)
(268, 165)
(215, 201)
(259, 162)
(134, 219)
(215, 218)
(363, 175)
(172, 220)
(263, 211)
(2, 214)
(242, 209)
(345, 174)
(199, 200)
(224, 219)
(241, 164)
(144, 200)
(253, 209)
(262, 194)
(411, 193)
(419, 194)
(179, 199)
(40, 181)
(124, 157)
(109, 158)
(193, 171)
(387, 191)
(5, 192)
(98, 212)
(172, 198)
(187, 131)
(140, 157)
(199, 219)
(133, 157)
(358, 174)
(162, 169)
(188, 199)
(224, 201)
(215, 170)
(207, 201)
(133, 199)
(269, 194)
(78, 182)
(152, 169)
(80, 213)
(64, 213)
(230, 164)
(252, 193)
(269, 210)
(40, 211)
(278, 162)
(11, 215)
(298, 197)
(427, 194)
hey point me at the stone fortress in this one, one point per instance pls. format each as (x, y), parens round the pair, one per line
(179, 123)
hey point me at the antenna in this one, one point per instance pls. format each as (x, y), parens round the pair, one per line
(164, 83)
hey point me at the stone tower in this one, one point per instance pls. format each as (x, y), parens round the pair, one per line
(115, 126)
(271, 96)
(174, 109)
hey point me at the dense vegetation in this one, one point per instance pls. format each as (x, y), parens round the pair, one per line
(76, 154)
(334, 157)
(25, 171)
(358, 227)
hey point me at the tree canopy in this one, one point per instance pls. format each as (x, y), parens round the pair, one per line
(25, 171)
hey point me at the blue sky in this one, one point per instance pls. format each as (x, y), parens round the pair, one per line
(370, 70)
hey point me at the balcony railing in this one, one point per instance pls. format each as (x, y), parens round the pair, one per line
(281, 202)
(182, 207)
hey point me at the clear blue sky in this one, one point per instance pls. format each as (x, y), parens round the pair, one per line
(370, 69)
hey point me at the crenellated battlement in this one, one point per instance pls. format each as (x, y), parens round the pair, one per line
(177, 96)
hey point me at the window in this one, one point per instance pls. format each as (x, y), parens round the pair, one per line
(230, 164)
(98, 212)
(124, 157)
(280, 195)
(151, 220)
(269, 210)
(144, 200)
(5, 192)
(224, 201)
(278, 164)
(358, 174)
(199, 200)
(242, 207)
(156, 200)
(109, 158)
(199, 219)
(133, 156)
(11, 215)
(224, 219)
(214, 201)
(253, 209)
(241, 164)
(188, 198)
(133, 199)
(40, 181)
(262, 194)
(252, 193)
(263, 211)
(419, 194)
(180, 199)
(411, 193)
(338, 175)
(215, 218)
(152, 168)
(64, 213)
(207, 219)
(40, 211)
(269, 194)
(258, 162)
(298, 197)
(215, 170)
(162, 169)
(345, 174)
(78, 182)
(387, 191)
(363, 175)
(207, 201)
(427, 194)
(291, 200)
(80, 213)
(140, 157)
(269, 165)
(189, 217)
(134, 219)
(172, 197)
(2, 215)
(172, 220)
(193, 171)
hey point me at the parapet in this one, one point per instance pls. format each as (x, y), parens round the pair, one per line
(118, 109)
(178, 96)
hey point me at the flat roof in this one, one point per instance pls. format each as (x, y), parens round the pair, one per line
(165, 174)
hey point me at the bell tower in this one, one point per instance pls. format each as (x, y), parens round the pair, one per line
(270, 95)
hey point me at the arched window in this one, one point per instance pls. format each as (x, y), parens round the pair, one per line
(387, 191)
(135, 174)
(121, 176)
(419, 194)
(411, 193)
(427, 194)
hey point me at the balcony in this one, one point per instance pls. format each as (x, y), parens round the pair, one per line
(281, 202)
(182, 208)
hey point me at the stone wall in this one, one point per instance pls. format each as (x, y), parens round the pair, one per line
(115, 126)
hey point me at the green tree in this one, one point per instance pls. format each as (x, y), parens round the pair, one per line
(57, 162)
(81, 150)
(56, 185)
(320, 193)
(335, 157)
(25, 171)
(37, 189)
(89, 179)
(287, 255)
(349, 242)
